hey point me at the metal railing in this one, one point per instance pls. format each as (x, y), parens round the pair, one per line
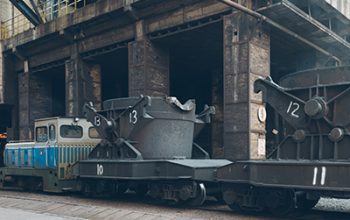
(48, 11)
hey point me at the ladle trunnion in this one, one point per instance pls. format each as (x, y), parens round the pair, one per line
(148, 146)
(309, 152)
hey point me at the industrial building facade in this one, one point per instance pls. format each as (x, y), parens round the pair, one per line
(200, 49)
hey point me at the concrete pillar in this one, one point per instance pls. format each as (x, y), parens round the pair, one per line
(35, 100)
(9, 92)
(148, 69)
(41, 98)
(246, 57)
(25, 132)
(217, 122)
(2, 68)
(83, 84)
(148, 66)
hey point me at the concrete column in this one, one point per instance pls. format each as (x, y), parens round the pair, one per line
(148, 69)
(83, 84)
(35, 100)
(10, 94)
(217, 122)
(246, 57)
(41, 98)
(25, 132)
(2, 68)
(148, 66)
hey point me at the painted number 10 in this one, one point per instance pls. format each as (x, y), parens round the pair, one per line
(293, 108)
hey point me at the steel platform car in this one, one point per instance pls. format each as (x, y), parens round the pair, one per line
(307, 175)
(201, 170)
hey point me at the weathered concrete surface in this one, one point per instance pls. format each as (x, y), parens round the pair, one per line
(217, 122)
(112, 21)
(24, 205)
(128, 207)
(1, 75)
(15, 214)
(83, 84)
(246, 57)
(148, 69)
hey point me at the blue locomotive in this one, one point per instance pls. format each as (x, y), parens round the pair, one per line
(46, 162)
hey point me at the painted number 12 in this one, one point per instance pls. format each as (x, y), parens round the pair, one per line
(293, 108)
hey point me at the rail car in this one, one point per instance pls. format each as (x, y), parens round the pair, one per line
(311, 155)
(144, 144)
(148, 147)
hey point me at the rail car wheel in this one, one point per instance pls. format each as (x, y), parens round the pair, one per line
(280, 202)
(121, 189)
(141, 190)
(303, 203)
(200, 196)
(87, 190)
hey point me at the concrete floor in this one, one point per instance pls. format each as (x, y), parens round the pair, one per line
(16, 214)
(24, 205)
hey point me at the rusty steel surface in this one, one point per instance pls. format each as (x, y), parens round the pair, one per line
(50, 206)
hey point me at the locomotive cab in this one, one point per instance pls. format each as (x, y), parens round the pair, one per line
(58, 144)
(5, 122)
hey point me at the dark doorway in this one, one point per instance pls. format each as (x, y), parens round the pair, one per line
(114, 74)
(196, 59)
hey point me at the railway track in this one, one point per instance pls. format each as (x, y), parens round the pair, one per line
(131, 207)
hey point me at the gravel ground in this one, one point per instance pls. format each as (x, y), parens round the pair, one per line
(131, 207)
(337, 205)
(16, 214)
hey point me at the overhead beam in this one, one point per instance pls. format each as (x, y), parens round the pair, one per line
(27, 12)
(279, 27)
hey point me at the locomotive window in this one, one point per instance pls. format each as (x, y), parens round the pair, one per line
(71, 131)
(41, 134)
(93, 133)
(52, 132)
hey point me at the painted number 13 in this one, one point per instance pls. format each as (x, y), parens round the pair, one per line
(293, 108)
(133, 117)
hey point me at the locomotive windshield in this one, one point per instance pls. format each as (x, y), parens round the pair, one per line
(71, 131)
(41, 134)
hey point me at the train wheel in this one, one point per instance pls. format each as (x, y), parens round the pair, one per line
(200, 196)
(121, 189)
(304, 203)
(141, 190)
(280, 202)
(219, 198)
(235, 207)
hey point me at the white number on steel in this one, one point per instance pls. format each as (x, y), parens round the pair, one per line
(323, 176)
(97, 121)
(293, 108)
(99, 170)
(133, 117)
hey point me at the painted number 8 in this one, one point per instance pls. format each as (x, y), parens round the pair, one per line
(133, 117)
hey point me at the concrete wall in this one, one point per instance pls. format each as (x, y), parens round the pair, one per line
(5, 10)
(1, 75)
(342, 5)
